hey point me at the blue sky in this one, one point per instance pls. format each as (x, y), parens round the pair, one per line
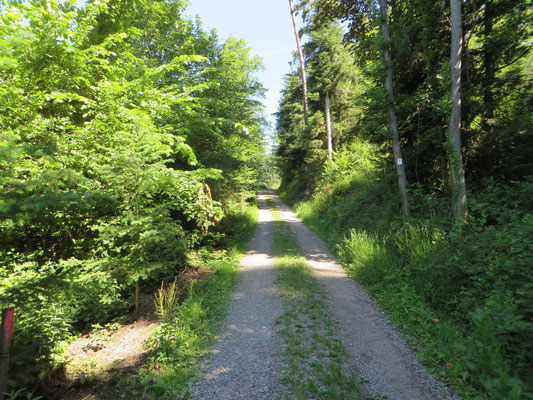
(267, 28)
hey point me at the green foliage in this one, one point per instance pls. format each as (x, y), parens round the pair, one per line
(117, 119)
(17, 394)
(302, 141)
(464, 292)
(51, 303)
(238, 225)
(367, 257)
(496, 110)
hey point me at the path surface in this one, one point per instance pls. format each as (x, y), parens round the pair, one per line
(246, 362)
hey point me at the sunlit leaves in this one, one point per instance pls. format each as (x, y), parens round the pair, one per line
(114, 117)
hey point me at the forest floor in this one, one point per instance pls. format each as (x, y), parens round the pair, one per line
(97, 362)
(251, 360)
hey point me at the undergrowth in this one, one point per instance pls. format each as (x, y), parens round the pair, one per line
(463, 294)
(313, 354)
(190, 318)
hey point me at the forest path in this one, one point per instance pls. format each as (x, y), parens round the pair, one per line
(246, 362)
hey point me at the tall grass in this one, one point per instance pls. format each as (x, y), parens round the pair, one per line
(167, 301)
(366, 256)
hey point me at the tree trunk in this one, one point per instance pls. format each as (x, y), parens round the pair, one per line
(137, 290)
(328, 127)
(301, 57)
(398, 159)
(490, 72)
(444, 173)
(456, 159)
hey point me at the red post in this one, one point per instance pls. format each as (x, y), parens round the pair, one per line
(6, 334)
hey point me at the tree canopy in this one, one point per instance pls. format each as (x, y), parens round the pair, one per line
(126, 130)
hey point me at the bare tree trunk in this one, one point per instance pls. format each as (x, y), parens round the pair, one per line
(301, 57)
(490, 71)
(137, 290)
(398, 159)
(328, 127)
(456, 159)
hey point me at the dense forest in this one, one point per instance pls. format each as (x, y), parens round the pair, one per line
(132, 138)
(127, 132)
(404, 139)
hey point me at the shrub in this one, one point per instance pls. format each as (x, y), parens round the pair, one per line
(52, 303)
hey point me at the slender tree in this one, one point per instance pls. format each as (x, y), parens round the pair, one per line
(456, 161)
(327, 109)
(331, 75)
(301, 57)
(398, 158)
(357, 12)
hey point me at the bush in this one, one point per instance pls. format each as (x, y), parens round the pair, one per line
(52, 303)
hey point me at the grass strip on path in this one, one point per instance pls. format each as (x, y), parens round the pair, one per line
(314, 355)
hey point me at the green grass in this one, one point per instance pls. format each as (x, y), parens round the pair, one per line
(188, 330)
(314, 355)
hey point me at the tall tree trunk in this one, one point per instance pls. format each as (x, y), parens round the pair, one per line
(456, 159)
(301, 57)
(328, 127)
(398, 159)
(490, 72)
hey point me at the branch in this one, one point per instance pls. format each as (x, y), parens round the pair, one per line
(512, 62)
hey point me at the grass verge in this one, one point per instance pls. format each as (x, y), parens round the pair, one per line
(188, 327)
(314, 355)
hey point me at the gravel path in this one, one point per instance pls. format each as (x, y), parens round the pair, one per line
(246, 361)
(382, 357)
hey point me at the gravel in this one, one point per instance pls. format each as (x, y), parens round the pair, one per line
(373, 344)
(246, 360)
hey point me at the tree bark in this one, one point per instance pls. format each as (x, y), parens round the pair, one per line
(328, 127)
(456, 159)
(398, 159)
(301, 57)
(490, 72)
(6, 336)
